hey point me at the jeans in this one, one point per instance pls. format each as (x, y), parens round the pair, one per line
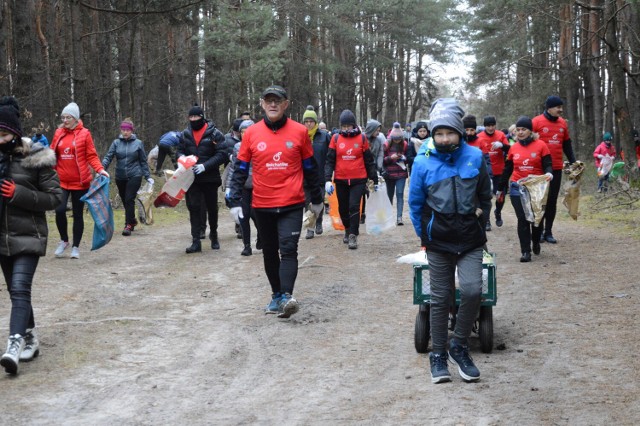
(18, 273)
(526, 231)
(77, 207)
(349, 205)
(128, 189)
(200, 193)
(279, 233)
(442, 269)
(397, 187)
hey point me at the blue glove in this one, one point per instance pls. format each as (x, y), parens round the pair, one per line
(227, 193)
(376, 188)
(198, 168)
(328, 188)
(151, 181)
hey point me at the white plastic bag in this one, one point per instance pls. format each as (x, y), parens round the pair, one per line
(177, 185)
(380, 215)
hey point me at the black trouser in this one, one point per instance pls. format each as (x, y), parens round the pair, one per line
(279, 233)
(526, 230)
(18, 273)
(349, 196)
(496, 181)
(128, 189)
(552, 203)
(199, 193)
(77, 207)
(247, 212)
(163, 152)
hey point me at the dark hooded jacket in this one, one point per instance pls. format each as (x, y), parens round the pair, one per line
(211, 152)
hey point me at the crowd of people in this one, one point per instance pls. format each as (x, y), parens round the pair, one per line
(275, 169)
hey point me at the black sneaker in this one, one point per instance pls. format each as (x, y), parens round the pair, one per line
(526, 257)
(487, 226)
(195, 247)
(247, 251)
(536, 247)
(439, 369)
(549, 238)
(460, 356)
(345, 239)
(319, 228)
(499, 221)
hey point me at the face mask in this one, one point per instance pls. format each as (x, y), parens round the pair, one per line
(446, 149)
(198, 124)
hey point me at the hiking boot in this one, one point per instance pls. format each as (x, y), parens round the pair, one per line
(195, 247)
(439, 369)
(287, 306)
(62, 246)
(319, 228)
(127, 230)
(345, 239)
(399, 222)
(247, 250)
(526, 257)
(536, 247)
(272, 307)
(549, 238)
(75, 253)
(215, 244)
(487, 226)
(459, 355)
(11, 357)
(31, 346)
(353, 241)
(134, 224)
(309, 234)
(499, 221)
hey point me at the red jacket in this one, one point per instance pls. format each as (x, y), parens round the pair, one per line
(602, 149)
(496, 156)
(554, 134)
(74, 160)
(349, 156)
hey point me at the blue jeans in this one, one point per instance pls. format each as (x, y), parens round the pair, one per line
(397, 187)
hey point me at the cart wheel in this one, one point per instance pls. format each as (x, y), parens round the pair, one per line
(486, 329)
(423, 329)
(142, 216)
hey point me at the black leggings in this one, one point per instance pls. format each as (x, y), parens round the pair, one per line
(349, 197)
(279, 233)
(128, 189)
(495, 182)
(198, 194)
(526, 230)
(552, 203)
(18, 273)
(247, 212)
(77, 207)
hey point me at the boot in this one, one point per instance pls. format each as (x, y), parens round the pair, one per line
(353, 241)
(11, 357)
(247, 250)
(195, 247)
(309, 234)
(215, 245)
(526, 256)
(499, 221)
(345, 239)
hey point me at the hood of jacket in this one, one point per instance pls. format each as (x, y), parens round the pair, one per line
(36, 155)
(371, 127)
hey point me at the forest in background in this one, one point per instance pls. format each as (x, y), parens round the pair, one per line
(152, 59)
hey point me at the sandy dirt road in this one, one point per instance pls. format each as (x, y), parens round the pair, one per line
(141, 333)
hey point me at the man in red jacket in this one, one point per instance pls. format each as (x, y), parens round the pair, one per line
(553, 130)
(281, 155)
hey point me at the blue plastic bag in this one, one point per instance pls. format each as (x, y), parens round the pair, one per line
(97, 198)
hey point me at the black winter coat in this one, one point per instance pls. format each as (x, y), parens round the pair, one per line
(210, 151)
(24, 225)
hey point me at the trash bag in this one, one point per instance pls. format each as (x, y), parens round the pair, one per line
(97, 199)
(571, 187)
(617, 170)
(334, 214)
(144, 202)
(177, 184)
(605, 166)
(309, 220)
(152, 157)
(533, 196)
(380, 214)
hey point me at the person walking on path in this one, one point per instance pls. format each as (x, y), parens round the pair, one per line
(349, 163)
(420, 135)
(529, 156)
(376, 142)
(395, 163)
(75, 157)
(605, 149)
(553, 131)
(131, 167)
(320, 140)
(448, 191)
(202, 139)
(167, 148)
(281, 154)
(29, 188)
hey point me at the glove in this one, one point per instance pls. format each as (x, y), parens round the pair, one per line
(376, 188)
(103, 172)
(496, 145)
(236, 214)
(317, 208)
(8, 188)
(151, 181)
(600, 156)
(328, 188)
(227, 193)
(198, 168)
(549, 176)
(500, 197)
(478, 212)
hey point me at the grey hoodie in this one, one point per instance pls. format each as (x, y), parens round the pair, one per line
(376, 143)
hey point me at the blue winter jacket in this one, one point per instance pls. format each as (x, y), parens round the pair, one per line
(444, 192)
(132, 160)
(171, 139)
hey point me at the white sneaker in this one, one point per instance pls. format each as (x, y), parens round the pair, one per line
(31, 346)
(62, 246)
(11, 358)
(75, 253)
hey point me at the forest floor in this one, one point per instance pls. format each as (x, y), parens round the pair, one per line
(139, 332)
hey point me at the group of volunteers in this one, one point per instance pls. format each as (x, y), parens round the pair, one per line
(276, 169)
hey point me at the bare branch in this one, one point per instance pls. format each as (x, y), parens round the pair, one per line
(140, 12)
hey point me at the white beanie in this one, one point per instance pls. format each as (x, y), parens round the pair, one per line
(73, 110)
